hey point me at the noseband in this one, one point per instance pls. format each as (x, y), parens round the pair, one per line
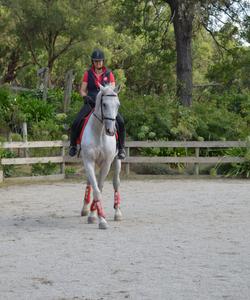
(102, 115)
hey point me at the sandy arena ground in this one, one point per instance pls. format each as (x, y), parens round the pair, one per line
(180, 240)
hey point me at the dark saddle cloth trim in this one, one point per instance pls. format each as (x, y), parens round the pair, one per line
(79, 139)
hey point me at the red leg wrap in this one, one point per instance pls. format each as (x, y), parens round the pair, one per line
(97, 205)
(87, 195)
(93, 206)
(117, 200)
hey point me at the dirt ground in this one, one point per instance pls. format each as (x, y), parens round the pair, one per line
(180, 239)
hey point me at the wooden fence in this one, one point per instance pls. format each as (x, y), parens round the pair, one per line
(196, 159)
(63, 158)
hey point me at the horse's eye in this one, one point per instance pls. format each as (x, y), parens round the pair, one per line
(104, 105)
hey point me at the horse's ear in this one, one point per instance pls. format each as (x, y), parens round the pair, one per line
(117, 89)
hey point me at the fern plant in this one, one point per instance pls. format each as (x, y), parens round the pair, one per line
(237, 169)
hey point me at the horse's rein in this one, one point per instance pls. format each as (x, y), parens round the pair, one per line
(102, 115)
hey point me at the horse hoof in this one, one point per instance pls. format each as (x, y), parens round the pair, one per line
(103, 225)
(118, 218)
(92, 220)
(84, 212)
(118, 215)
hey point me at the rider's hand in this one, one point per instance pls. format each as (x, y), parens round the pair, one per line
(89, 100)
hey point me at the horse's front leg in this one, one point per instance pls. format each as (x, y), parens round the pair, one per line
(96, 204)
(104, 170)
(87, 198)
(116, 185)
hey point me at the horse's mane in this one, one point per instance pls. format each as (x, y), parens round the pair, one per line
(106, 90)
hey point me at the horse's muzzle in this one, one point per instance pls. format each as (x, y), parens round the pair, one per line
(110, 132)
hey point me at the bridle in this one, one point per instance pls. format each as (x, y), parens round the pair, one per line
(102, 114)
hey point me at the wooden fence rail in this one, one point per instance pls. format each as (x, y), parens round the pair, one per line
(62, 159)
(196, 159)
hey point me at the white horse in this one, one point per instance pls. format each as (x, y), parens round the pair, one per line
(98, 148)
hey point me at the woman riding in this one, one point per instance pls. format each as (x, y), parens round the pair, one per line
(96, 75)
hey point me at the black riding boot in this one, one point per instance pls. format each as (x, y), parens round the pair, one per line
(121, 137)
(121, 150)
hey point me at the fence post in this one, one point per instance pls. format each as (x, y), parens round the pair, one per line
(25, 138)
(1, 175)
(63, 163)
(10, 139)
(1, 170)
(196, 165)
(127, 164)
(69, 78)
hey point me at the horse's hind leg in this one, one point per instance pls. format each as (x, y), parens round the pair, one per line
(116, 185)
(87, 199)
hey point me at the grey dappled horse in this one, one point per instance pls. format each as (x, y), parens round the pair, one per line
(99, 149)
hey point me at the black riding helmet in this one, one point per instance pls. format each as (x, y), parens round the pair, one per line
(97, 55)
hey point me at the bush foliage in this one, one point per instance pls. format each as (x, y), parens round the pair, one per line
(214, 116)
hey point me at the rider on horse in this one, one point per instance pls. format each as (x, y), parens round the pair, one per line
(96, 75)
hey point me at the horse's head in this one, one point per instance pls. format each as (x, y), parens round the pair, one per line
(107, 105)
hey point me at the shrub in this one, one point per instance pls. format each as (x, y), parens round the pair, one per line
(46, 130)
(8, 170)
(237, 169)
(148, 117)
(10, 114)
(70, 171)
(216, 117)
(43, 169)
(34, 109)
(16, 137)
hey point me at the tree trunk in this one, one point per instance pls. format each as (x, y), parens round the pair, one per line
(183, 24)
(10, 74)
(43, 81)
(50, 67)
(69, 78)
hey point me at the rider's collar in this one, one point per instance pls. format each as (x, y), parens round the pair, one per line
(104, 69)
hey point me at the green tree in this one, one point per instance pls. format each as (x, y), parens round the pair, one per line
(51, 28)
(185, 15)
(13, 56)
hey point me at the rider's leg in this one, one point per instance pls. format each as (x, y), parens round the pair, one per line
(121, 137)
(77, 127)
